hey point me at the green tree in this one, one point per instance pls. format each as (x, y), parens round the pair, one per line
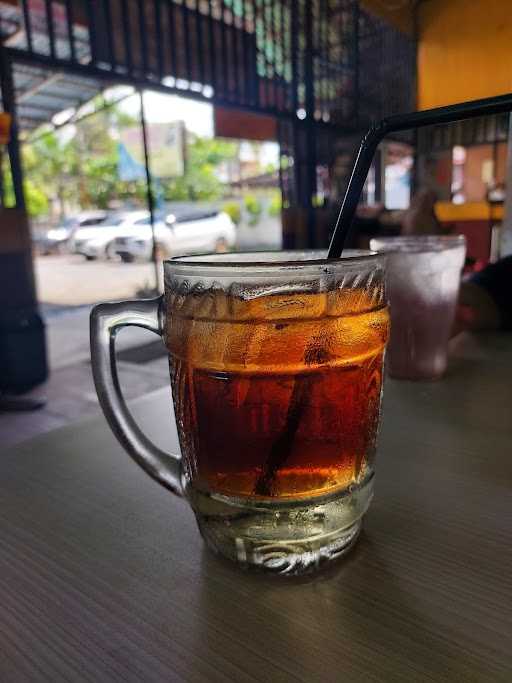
(48, 166)
(275, 204)
(81, 171)
(253, 208)
(208, 151)
(234, 211)
(36, 201)
(200, 181)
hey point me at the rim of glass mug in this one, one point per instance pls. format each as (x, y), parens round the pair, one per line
(417, 243)
(274, 262)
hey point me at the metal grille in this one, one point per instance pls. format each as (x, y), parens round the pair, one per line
(324, 68)
(305, 59)
(483, 130)
(386, 70)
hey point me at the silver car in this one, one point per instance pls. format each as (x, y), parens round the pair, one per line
(200, 231)
(99, 241)
(58, 239)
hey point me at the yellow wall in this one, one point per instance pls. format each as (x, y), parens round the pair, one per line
(464, 51)
(470, 211)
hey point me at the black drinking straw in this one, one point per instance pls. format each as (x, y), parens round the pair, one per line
(393, 124)
(281, 449)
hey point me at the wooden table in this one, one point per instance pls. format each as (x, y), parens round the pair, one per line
(103, 575)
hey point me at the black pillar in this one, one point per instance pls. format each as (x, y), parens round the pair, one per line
(149, 188)
(310, 127)
(22, 338)
(9, 104)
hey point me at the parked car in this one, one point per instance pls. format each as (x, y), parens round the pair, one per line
(58, 239)
(99, 241)
(195, 232)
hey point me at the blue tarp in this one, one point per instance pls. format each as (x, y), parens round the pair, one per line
(130, 170)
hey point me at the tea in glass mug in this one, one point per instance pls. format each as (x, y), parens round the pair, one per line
(276, 373)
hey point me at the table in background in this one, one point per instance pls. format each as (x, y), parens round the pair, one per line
(103, 575)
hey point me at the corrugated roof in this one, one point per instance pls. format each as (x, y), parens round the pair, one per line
(40, 94)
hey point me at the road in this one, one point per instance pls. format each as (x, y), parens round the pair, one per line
(67, 287)
(69, 280)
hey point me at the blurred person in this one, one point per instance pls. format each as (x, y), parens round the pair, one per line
(420, 218)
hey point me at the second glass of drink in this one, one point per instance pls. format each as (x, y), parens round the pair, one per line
(423, 278)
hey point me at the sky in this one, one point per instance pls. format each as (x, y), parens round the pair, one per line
(159, 108)
(162, 108)
(198, 117)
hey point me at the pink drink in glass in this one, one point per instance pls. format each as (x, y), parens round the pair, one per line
(423, 277)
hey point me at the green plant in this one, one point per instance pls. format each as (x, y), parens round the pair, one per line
(82, 170)
(233, 210)
(275, 205)
(199, 183)
(253, 207)
(35, 199)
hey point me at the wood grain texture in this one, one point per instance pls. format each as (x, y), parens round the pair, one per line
(103, 575)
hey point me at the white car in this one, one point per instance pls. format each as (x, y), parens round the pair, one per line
(197, 232)
(58, 239)
(98, 241)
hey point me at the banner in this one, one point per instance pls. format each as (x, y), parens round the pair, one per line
(166, 142)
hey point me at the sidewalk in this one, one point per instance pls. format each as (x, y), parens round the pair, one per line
(67, 335)
(70, 390)
(67, 279)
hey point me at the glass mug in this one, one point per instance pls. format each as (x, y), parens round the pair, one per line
(276, 372)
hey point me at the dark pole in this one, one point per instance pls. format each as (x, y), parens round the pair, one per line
(416, 141)
(149, 189)
(23, 362)
(490, 203)
(309, 127)
(355, 56)
(2, 189)
(9, 102)
(379, 185)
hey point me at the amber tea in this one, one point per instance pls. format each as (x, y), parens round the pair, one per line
(280, 394)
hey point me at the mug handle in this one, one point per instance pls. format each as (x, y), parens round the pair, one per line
(106, 321)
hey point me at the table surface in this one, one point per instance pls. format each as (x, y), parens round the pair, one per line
(104, 577)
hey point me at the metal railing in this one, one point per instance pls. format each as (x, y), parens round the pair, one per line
(289, 58)
(324, 68)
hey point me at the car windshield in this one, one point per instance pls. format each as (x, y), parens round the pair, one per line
(185, 216)
(68, 223)
(115, 220)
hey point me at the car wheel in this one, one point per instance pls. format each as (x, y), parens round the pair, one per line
(88, 257)
(221, 246)
(109, 251)
(127, 258)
